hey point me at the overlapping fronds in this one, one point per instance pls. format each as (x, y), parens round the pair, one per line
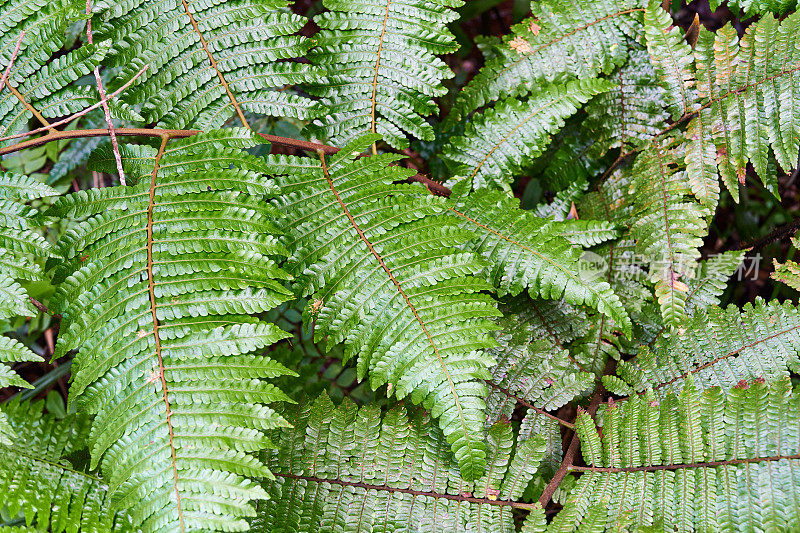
(384, 275)
(788, 272)
(667, 223)
(672, 58)
(207, 61)
(40, 485)
(747, 89)
(31, 32)
(534, 255)
(632, 111)
(351, 469)
(561, 40)
(693, 462)
(534, 365)
(160, 280)
(719, 348)
(751, 8)
(499, 142)
(20, 245)
(379, 67)
(711, 279)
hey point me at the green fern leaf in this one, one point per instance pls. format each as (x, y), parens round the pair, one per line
(206, 60)
(379, 67)
(630, 113)
(159, 282)
(667, 224)
(532, 256)
(744, 109)
(358, 470)
(719, 348)
(672, 59)
(788, 272)
(380, 264)
(20, 246)
(40, 485)
(534, 366)
(751, 8)
(36, 78)
(561, 40)
(499, 142)
(693, 462)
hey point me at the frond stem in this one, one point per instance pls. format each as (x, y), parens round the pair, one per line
(530, 406)
(400, 289)
(213, 62)
(435, 495)
(101, 90)
(151, 288)
(708, 464)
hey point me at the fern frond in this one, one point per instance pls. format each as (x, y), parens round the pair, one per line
(746, 89)
(672, 59)
(498, 143)
(160, 281)
(380, 264)
(789, 271)
(721, 347)
(751, 8)
(708, 285)
(668, 225)
(41, 485)
(534, 365)
(693, 462)
(561, 40)
(632, 112)
(358, 470)
(36, 77)
(533, 256)
(379, 67)
(207, 61)
(20, 246)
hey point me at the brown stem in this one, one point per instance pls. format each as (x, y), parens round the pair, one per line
(40, 306)
(11, 61)
(385, 488)
(529, 405)
(77, 115)
(434, 187)
(102, 92)
(709, 464)
(569, 456)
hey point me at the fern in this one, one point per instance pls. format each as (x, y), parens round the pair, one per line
(207, 60)
(389, 472)
(758, 7)
(721, 347)
(560, 40)
(536, 257)
(691, 462)
(672, 59)
(497, 144)
(624, 384)
(630, 113)
(19, 244)
(534, 365)
(379, 67)
(380, 266)
(788, 272)
(39, 484)
(37, 82)
(746, 88)
(667, 223)
(160, 280)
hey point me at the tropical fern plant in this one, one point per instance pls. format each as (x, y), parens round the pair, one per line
(544, 338)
